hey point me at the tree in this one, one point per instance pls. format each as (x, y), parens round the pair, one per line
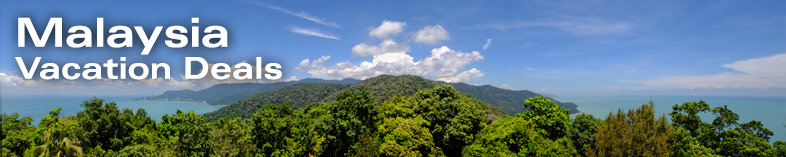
(550, 120)
(585, 126)
(725, 136)
(402, 133)
(780, 148)
(687, 116)
(271, 128)
(455, 119)
(139, 150)
(17, 134)
(636, 133)
(406, 137)
(106, 126)
(232, 137)
(186, 134)
(56, 131)
(683, 144)
(540, 131)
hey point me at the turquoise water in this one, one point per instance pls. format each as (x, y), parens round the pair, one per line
(769, 110)
(39, 106)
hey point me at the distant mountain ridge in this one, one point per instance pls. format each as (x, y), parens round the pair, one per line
(510, 101)
(382, 88)
(221, 94)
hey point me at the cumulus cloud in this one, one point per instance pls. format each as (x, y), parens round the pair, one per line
(444, 64)
(431, 34)
(762, 73)
(313, 32)
(488, 43)
(387, 46)
(390, 57)
(387, 29)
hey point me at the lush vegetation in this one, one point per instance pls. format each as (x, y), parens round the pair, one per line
(438, 121)
(222, 94)
(300, 95)
(381, 88)
(508, 100)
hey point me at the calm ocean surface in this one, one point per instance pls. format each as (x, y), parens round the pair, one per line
(769, 110)
(39, 106)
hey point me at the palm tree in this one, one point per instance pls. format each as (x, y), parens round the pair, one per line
(64, 147)
(57, 143)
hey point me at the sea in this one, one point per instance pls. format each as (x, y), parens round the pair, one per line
(769, 110)
(37, 107)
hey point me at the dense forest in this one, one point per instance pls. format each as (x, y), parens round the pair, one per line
(222, 94)
(382, 88)
(438, 121)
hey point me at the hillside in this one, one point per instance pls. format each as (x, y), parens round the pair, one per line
(509, 101)
(297, 95)
(221, 94)
(382, 88)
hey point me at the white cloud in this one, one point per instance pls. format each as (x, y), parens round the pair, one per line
(760, 73)
(431, 34)
(313, 32)
(389, 57)
(770, 67)
(488, 43)
(302, 15)
(463, 76)
(444, 64)
(387, 29)
(387, 46)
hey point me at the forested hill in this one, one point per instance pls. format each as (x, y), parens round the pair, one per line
(297, 95)
(228, 93)
(508, 100)
(382, 88)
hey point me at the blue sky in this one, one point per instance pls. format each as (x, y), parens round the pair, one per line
(555, 47)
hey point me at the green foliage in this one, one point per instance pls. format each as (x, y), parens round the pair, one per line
(540, 131)
(686, 116)
(223, 94)
(138, 150)
(232, 137)
(104, 125)
(382, 88)
(686, 145)
(17, 134)
(57, 134)
(412, 120)
(780, 148)
(583, 131)
(508, 100)
(406, 137)
(455, 118)
(353, 115)
(636, 133)
(724, 136)
(516, 136)
(185, 133)
(299, 95)
(549, 120)
(271, 128)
